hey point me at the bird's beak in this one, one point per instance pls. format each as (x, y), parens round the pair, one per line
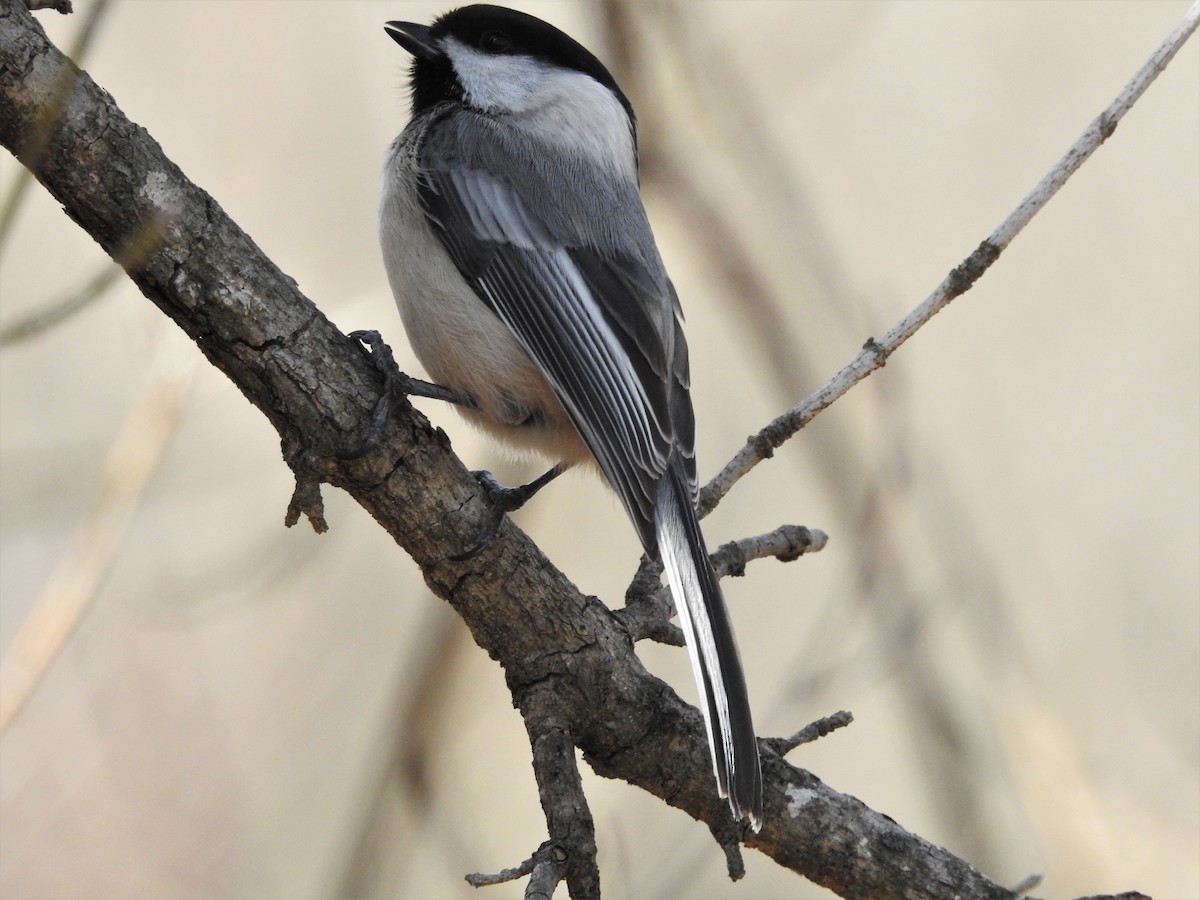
(416, 39)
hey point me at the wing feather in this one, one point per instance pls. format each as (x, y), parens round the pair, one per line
(595, 311)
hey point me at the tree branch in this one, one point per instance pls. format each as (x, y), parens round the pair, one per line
(566, 659)
(59, 6)
(572, 830)
(875, 353)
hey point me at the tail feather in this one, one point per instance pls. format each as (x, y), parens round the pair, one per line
(711, 647)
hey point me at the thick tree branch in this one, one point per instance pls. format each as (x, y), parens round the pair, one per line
(318, 390)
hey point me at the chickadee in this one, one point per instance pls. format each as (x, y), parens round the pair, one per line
(523, 264)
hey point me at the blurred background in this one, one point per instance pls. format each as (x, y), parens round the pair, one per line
(198, 702)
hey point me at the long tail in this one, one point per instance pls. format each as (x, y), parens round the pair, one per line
(711, 646)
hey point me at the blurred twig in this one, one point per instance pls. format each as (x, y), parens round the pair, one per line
(42, 320)
(145, 239)
(132, 461)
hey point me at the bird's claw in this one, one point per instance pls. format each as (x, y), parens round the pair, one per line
(502, 500)
(393, 387)
(396, 386)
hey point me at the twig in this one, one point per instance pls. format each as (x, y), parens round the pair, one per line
(482, 879)
(560, 789)
(648, 607)
(875, 353)
(307, 501)
(809, 733)
(544, 868)
(60, 6)
(786, 543)
(1027, 884)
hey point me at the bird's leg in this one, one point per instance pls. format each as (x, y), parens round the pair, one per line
(396, 385)
(504, 500)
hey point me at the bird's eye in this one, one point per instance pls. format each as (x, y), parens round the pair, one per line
(496, 42)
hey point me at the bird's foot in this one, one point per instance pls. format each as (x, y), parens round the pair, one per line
(502, 500)
(396, 386)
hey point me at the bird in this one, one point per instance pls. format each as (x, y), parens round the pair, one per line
(533, 293)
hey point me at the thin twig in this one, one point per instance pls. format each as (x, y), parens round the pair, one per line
(875, 353)
(786, 543)
(144, 241)
(41, 320)
(546, 857)
(810, 732)
(1027, 884)
(648, 607)
(483, 879)
(59, 6)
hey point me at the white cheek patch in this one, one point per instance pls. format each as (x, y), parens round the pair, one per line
(564, 106)
(495, 83)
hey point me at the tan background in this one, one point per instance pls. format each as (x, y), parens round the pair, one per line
(1010, 602)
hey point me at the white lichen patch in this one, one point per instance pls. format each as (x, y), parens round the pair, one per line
(159, 191)
(798, 798)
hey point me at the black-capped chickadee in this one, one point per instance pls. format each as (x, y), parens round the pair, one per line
(530, 286)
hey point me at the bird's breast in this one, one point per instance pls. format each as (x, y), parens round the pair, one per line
(459, 341)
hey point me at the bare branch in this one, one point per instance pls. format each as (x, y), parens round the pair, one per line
(568, 816)
(875, 353)
(811, 732)
(59, 6)
(568, 663)
(648, 604)
(480, 879)
(786, 543)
